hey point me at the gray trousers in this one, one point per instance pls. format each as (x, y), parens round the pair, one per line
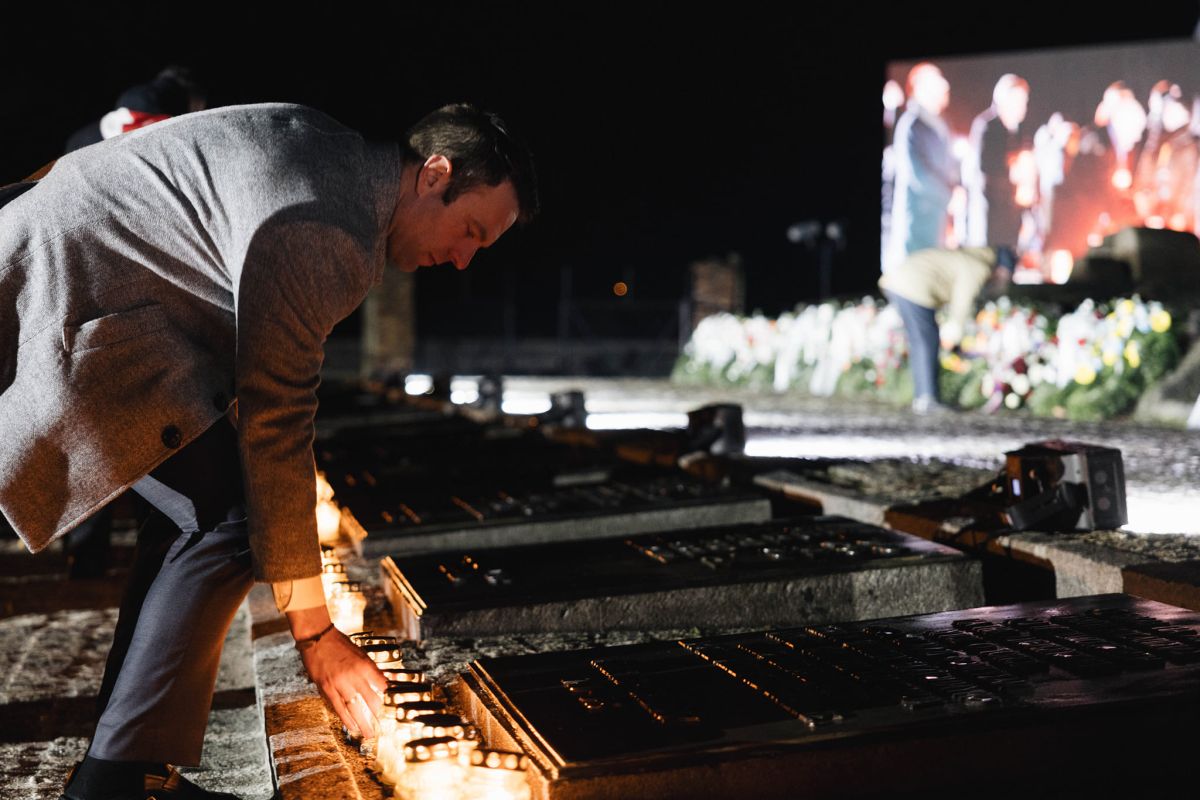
(192, 571)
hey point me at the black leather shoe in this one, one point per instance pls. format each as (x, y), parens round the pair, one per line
(168, 786)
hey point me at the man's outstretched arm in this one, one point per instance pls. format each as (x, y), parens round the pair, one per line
(298, 280)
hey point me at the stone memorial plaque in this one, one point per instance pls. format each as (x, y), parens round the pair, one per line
(435, 516)
(1088, 696)
(785, 572)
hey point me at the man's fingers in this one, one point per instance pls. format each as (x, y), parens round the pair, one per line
(375, 679)
(362, 715)
(374, 701)
(343, 713)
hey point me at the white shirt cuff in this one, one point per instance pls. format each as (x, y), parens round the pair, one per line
(299, 595)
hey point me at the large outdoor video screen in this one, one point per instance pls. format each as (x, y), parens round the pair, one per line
(1046, 152)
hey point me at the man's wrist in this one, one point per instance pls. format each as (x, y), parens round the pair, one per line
(308, 622)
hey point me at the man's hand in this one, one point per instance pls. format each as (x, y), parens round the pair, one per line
(343, 673)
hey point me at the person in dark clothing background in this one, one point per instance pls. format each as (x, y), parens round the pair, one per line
(173, 91)
(994, 216)
(927, 173)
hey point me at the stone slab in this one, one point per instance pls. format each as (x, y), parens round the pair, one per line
(829, 498)
(727, 716)
(804, 570)
(728, 510)
(1085, 563)
(1176, 583)
(1080, 567)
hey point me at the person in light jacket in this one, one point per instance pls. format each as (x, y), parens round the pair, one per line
(932, 279)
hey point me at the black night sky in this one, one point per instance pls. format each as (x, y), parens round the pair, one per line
(663, 133)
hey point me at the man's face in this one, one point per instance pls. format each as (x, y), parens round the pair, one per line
(1174, 114)
(931, 89)
(426, 231)
(1013, 106)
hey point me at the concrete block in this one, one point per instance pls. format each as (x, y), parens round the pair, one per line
(807, 570)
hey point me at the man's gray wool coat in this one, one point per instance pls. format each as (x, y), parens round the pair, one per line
(151, 279)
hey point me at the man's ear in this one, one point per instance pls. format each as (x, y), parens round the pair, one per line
(434, 175)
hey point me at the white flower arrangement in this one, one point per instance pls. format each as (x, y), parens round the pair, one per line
(1013, 350)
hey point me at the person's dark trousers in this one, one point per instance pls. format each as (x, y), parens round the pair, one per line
(88, 545)
(191, 572)
(921, 328)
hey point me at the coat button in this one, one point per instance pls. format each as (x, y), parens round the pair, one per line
(171, 437)
(220, 401)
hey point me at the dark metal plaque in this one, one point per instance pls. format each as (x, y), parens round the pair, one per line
(1095, 694)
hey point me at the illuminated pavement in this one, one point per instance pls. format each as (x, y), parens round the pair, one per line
(54, 639)
(1162, 465)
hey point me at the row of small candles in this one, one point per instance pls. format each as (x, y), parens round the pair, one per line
(424, 750)
(346, 600)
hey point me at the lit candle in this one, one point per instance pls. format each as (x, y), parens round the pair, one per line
(386, 751)
(346, 611)
(407, 712)
(371, 637)
(332, 573)
(404, 675)
(324, 490)
(431, 770)
(386, 653)
(399, 692)
(496, 775)
(403, 726)
(433, 725)
(329, 522)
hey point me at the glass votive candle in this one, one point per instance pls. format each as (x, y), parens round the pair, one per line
(331, 574)
(405, 715)
(467, 745)
(329, 522)
(431, 770)
(324, 489)
(399, 692)
(436, 725)
(384, 653)
(496, 775)
(371, 637)
(407, 712)
(389, 752)
(346, 611)
(344, 586)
